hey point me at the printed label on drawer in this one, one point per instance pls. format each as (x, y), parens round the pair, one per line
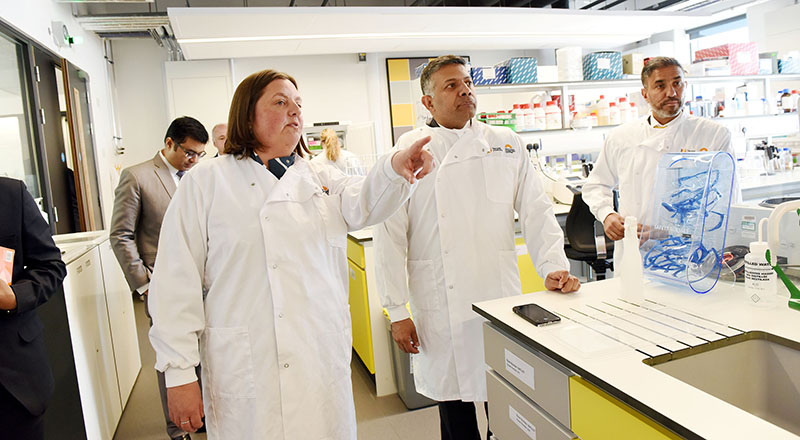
(488, 73)
(519, 368)
(523, 423)
(522, 249)
(603, 63)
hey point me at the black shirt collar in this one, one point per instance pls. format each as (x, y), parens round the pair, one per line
(276, 166)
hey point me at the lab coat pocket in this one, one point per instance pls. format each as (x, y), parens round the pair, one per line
(499, 173)
(330, 209)
(229, 362)
(422, 283)
(509, 273)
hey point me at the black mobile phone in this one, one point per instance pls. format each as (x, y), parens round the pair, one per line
(536, 315)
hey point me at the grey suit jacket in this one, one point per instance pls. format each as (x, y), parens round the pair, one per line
(140, 201)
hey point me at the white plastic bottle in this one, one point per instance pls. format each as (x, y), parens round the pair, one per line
(634, 111)
(624, 110)
(539, 117)
(614, 118)
(760, 280)
(527, 113)
(602, 111)
(629, 265)
(795, 100)
(553, 116)
(519, 118)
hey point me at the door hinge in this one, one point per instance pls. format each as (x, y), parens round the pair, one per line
(38, 77)
(41, 114)
(55, 213)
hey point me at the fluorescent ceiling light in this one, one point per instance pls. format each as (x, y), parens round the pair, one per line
(387, 35)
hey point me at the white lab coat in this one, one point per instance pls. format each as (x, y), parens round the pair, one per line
(251, 280)
(347, 163)
(630, 156)
(455, 237)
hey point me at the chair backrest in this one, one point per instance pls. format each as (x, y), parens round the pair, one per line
(581, 229)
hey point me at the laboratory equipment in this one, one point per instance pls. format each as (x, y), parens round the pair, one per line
(629, 264)
(760, 281)
(682, 242)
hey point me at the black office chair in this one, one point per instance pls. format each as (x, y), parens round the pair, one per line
(587, 239)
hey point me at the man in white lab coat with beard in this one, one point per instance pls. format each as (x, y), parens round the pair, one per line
(455, 236)
(630, 156)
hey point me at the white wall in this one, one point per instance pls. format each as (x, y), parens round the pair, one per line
(141, 98)
(33, 18)
(775, 25)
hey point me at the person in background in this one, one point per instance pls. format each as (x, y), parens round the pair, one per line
(333, 154)
(218, 136)
(26, 381)
(254, 282)
(455, 239)
(140, 201)
(630, 155)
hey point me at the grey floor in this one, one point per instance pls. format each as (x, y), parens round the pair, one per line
(379, 418)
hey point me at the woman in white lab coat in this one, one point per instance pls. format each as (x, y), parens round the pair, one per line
(332, 154)
(250, 278)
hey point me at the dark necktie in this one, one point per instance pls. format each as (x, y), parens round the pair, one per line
(180, 174)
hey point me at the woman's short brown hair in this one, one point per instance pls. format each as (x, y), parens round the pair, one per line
(241, 140)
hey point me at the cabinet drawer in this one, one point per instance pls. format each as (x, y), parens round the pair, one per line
(514, 416)
(359, 313)
(355, 252)
(531, 372)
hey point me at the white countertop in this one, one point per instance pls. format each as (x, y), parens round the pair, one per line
(74, 245)
(618, 368)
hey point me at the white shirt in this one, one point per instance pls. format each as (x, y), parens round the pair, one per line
(630, 155)
(172, 170)
(455, 239)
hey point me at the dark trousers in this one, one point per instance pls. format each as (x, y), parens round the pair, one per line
(458, 420)
(16, 422)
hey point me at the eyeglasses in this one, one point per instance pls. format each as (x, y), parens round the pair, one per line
(191, 154)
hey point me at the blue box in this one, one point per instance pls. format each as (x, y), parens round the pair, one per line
(485, 76)
(602, 65)
(789, 65)
(521, 70)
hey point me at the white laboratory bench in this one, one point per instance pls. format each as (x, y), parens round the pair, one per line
(102, 330)
(779, 184)
(616, 367)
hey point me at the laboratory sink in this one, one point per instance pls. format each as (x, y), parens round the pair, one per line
(755, 371)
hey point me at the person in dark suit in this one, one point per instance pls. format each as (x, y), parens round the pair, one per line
(26, 382)
(140, 201)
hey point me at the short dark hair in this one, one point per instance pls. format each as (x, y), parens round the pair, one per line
(425, 79)
(658, 63)
(241, 141)
(186, 127)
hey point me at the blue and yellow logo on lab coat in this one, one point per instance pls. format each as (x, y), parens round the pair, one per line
(509, 149)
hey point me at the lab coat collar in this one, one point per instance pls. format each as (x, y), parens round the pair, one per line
(469, 142)
(653, 123)
(299, 184)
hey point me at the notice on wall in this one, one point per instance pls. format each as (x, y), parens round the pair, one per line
(520, 369)
(523, 423)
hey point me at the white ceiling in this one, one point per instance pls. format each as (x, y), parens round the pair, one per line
(207, 33)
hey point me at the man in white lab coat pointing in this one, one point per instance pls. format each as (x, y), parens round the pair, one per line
(455, 237)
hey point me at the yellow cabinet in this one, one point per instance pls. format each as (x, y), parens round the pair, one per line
(596, 415)
(531, 281)
(359, 312)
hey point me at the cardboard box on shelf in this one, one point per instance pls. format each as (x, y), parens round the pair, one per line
(742, 57)
(632, 63)
(602, 65)
(719, 67)
(569, 63)
(521, 70)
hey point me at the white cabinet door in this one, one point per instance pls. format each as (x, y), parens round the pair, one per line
(122, 322)
(91, 343)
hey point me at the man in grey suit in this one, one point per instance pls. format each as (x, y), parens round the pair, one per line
(140, 201)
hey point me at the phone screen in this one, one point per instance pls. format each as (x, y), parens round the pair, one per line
(537, 315)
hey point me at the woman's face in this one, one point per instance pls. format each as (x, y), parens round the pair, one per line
(278, 120)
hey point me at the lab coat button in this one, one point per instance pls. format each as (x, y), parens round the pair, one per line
(274, 266)
(446, 252)
(285, 365)
(450, 287)
(280, 315)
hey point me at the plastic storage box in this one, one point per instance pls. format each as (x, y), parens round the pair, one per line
(789, 63)
(521, 70)
(404, 377)
(485, 76)
(683, 241)
(742, 57)
(602, 65)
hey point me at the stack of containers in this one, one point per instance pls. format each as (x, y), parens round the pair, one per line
(521, 70)
(789, 63)
(485, 76)
(570, 66)
(742, 57)
(602, 65)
